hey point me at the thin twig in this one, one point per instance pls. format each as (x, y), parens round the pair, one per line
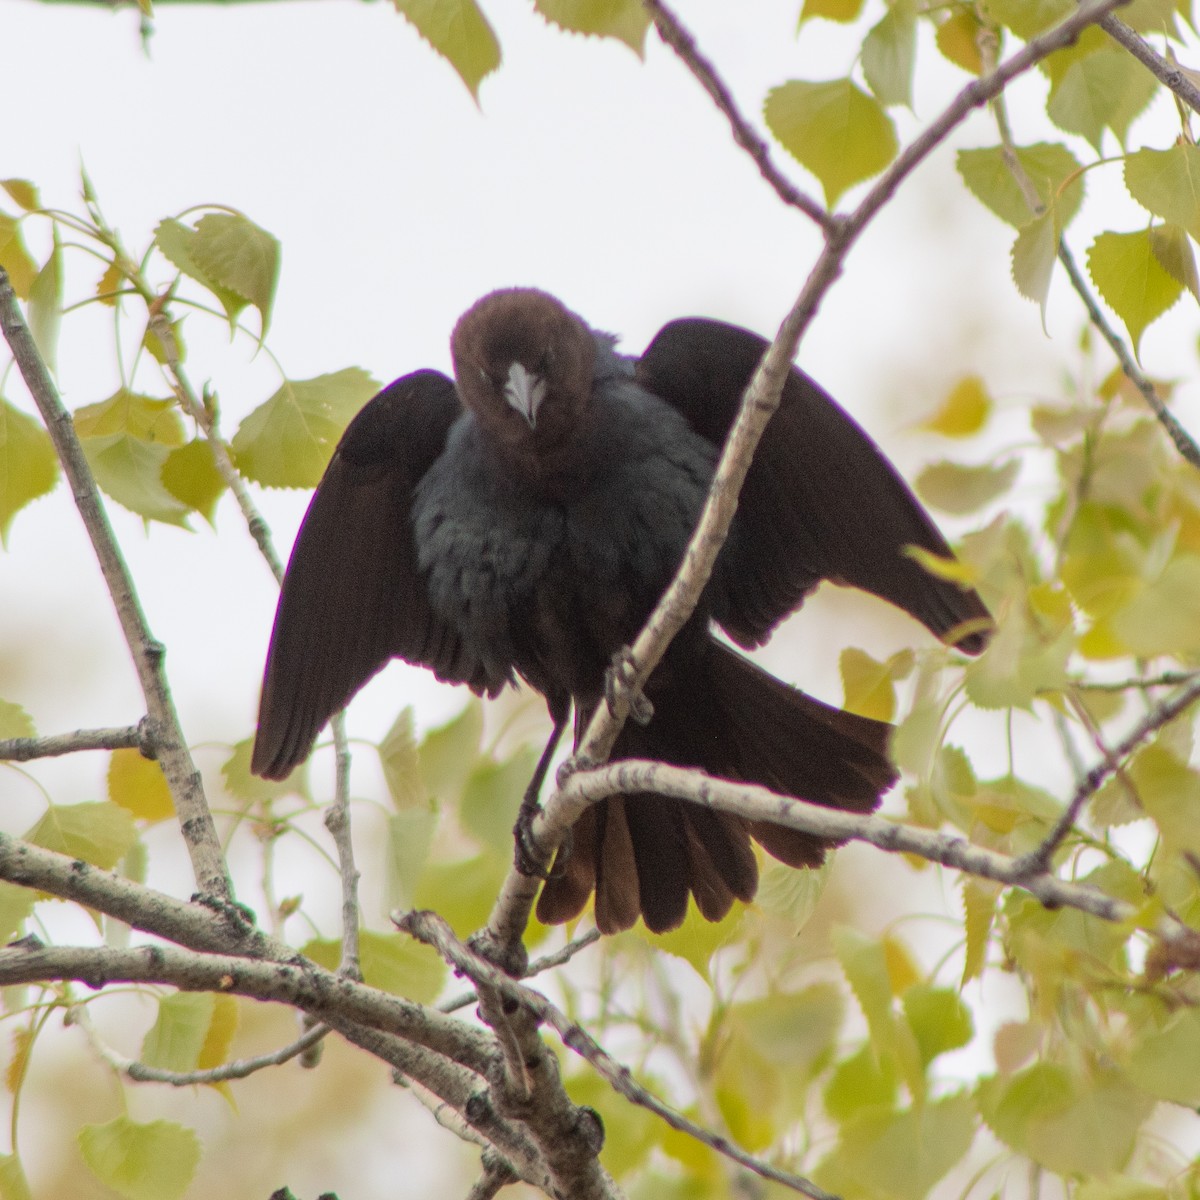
(545, 963)
(530, 1090)
(679, 39)
(128, 737)
(428, 927)
(497, 1174)
(195, 819)
(337, 821)
(1166, 72)
(1039, 859)
(1183, 441)
(238, 1069)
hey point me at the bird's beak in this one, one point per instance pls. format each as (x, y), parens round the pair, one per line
(525, 391)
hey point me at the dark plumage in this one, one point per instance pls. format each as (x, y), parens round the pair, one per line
(523, 521)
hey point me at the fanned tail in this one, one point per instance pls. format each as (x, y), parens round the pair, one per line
(644, 854)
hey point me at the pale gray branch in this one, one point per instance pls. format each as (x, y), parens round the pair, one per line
(127, 737)
(674, 34)
(431, 929)
(1166, 72)
(195, 819)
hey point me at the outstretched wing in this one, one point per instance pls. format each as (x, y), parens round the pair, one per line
(820, 501)
(353, 597)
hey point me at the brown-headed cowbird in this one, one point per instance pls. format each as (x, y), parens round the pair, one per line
(523, 520)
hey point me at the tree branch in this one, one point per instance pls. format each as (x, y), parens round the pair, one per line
(1166, 72)
(679, 39)
(429, 928)
(128, 737)
(195, 819)
(301, 985)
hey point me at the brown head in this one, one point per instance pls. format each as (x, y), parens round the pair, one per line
(524, 364)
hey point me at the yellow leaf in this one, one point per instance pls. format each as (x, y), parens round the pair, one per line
(964, 411)
(138, 785)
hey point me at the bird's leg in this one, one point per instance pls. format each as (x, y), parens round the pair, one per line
(620, 677)
(527, 857)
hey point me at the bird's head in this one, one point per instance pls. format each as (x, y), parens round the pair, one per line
(524, 365)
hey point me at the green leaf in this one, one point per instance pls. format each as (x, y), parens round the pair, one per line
(900, 1156)
(130, 471)
(492, 796)
(409, 837)
(252, 789)
(28, 464)
(1133, 282)
(1161, 616)
(1169, 791)
(1027, 18)
(177, 241)
(15, 258)
(141, 1162)
(219, 1036)
(1175, 255)
(448, 754)
(798, 1029)
(23, 192)
(392, 962)
(463, 892)
(979, 910)
(960, 489)
(16, 903)
(239, 256)
(791, 896)
(99, 834)
(15, 722)
(696, 940)
(142, 417)
(13, 1184)
(459, 32)
(1166, 1062)
(190, 474)
(1104, 89)
(1027, 654)
(1067, 1122)
(888, 53)
(843, 11)
(869, 686)
(862, 1081)
(625, 20)
(138, 785)
(1034, 254)
(45, 306)
(401, 763)
(940, 1020)
(177, 1036)
(834, 129)
(1048, 166)
(957, 38)
(288, 440)
(964, 412)
(1167, 183)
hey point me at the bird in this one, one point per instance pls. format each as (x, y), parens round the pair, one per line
(520, 521)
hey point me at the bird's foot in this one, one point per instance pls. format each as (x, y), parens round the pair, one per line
(621, 678)
(528, 857)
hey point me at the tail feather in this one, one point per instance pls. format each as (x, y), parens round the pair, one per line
(721, 713)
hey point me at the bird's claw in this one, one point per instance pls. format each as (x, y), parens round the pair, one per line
(528, 857)
(621, 677)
